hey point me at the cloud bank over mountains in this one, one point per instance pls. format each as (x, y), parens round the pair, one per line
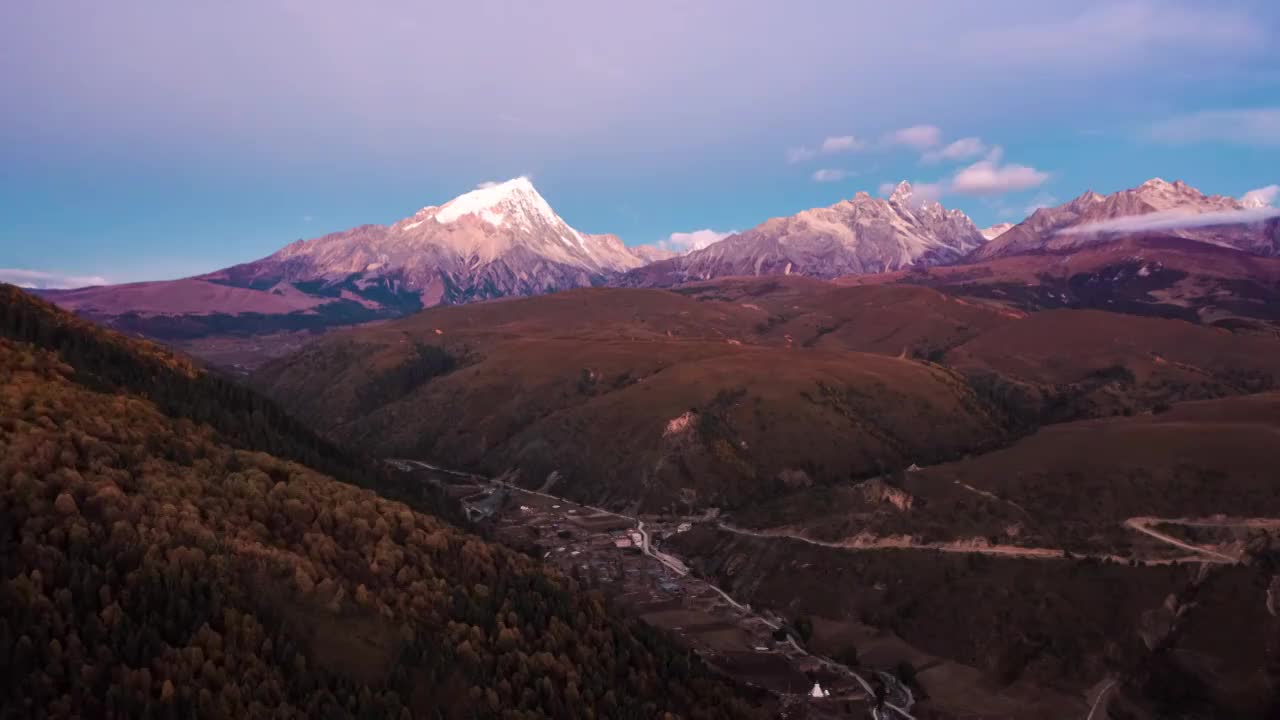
(41, 280)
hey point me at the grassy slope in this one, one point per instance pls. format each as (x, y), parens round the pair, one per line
(780, 374)
(587, 383)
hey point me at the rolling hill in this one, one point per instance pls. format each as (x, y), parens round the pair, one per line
(733, 392)
(625, 396)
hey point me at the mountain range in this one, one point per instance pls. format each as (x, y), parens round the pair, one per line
(862, 235)
(1014, 473)
(505, 240)
(1175, 209)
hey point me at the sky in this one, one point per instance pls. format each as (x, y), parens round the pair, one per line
(149, 139)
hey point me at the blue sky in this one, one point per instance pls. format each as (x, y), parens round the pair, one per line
(148, 140)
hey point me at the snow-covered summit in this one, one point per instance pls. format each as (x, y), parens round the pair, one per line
(514, 201)
(496, 240)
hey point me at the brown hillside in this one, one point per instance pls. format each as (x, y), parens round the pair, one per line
(1142, 275)
(650, 396)
(720, 390)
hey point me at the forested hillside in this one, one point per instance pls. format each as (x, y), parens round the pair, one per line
(154, 563)
(107, 361)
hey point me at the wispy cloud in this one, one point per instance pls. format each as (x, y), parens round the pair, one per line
(920, 137)
(831, 175)
(1260, 126)
(683, 242)
(830, 146)
(842, 143)
(47, 280)
(962, 149)
(1174, 220)
(1261, 197)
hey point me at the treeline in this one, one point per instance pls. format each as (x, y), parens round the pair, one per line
(149, 569)
(109, 362)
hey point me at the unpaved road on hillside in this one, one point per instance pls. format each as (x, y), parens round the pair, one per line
(978, 546)
(1100, 700)
(1143, 525)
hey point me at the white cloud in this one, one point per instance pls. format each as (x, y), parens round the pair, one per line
(920, 137)
(841, 143)
(1259, 126)
(799, 154)
(1261, 197)
(1175, 219)
(989, 177)
(985, 177)
(831, 175)
(486, 184)
(961, 149)
(46, 280)
(683, 242)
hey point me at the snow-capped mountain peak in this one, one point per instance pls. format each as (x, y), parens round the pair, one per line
(496, 240)
(514, 201)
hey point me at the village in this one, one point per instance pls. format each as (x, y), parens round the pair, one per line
(621, 556)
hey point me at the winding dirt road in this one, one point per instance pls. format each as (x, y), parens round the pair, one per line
(977, 547)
